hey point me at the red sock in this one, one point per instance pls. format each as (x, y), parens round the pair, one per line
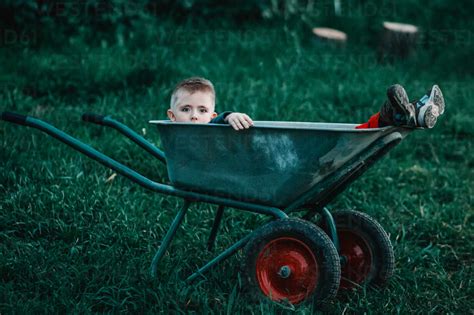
(372, 123)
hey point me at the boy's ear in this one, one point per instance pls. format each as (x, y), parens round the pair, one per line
(213, 115)
(171, 115)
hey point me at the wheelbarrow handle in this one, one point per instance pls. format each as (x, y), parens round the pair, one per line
(129, 133)
(135, 176)
(15, 118)
(94, 118)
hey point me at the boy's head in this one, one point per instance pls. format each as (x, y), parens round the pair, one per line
(193, 100)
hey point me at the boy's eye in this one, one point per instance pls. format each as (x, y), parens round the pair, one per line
(203, 110)
(185, 109)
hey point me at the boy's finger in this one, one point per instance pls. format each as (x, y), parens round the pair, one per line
(245, 124)
(249, 120)
(237, 122)
(233, 124)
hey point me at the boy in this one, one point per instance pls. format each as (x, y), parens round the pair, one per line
(193, 100)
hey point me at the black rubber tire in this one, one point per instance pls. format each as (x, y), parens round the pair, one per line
(366, 227)
(314, 238)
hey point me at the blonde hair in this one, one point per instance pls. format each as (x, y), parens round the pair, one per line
(191, 85)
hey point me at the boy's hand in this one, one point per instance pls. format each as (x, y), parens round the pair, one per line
(239, 121)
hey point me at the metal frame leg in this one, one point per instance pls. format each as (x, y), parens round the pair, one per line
(169, 237)
(332, 227)
(329, 220)
(225, 254)
(215, 228)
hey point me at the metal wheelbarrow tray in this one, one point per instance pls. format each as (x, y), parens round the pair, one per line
(273, 168)
(273, 163)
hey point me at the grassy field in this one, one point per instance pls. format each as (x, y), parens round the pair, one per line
(73, 238)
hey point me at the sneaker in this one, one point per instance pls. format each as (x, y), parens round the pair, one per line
(428, 108)
(397, 110)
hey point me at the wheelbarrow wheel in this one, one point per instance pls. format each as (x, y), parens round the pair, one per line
(366, 252)
(291, 260)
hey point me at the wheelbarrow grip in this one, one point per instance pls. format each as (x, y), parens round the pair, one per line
(14, 118)
(93, 118)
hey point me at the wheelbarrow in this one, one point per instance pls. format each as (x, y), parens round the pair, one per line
(274, 169)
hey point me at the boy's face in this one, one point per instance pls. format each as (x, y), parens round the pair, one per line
(197, 107)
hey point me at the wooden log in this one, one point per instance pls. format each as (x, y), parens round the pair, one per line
(398, 40)
(330, 36)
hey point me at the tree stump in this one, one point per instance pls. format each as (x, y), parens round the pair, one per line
(331, 36)
(398, 40)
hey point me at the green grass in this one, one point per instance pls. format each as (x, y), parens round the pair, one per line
(73, 241)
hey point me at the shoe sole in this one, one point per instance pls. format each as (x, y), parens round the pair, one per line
(399, 98)
(437, 99)
(428, 116)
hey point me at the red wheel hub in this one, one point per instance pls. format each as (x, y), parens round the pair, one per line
(287, 269)
(357, 258)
